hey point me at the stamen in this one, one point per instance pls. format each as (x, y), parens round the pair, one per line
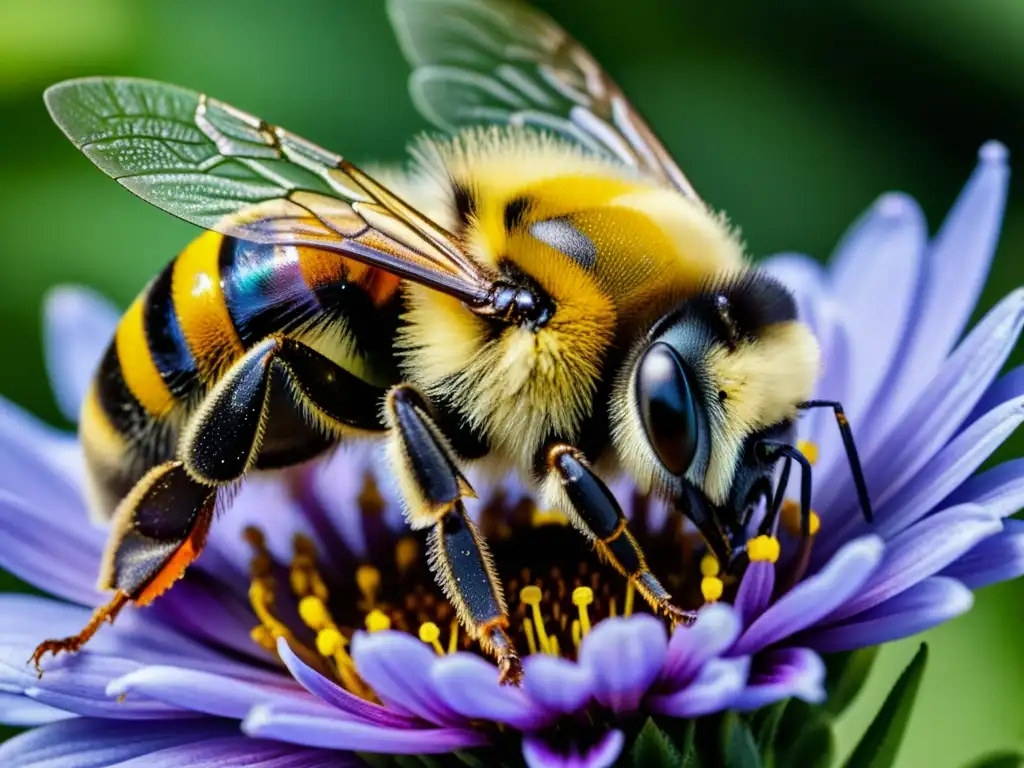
(314, 613)
(368, 581)
(531, 639)
(582, 597)
(453, 636)
(763, 549)
(627, 609)
(809, 450)
(711, 587)
(430, 634)
(790, 514)
(377, 621)
(303, 575)
(407, 552)
(532, 596)
(709, 565)
(548, 517)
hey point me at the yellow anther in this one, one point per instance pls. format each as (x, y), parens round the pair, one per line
(531, 639)
(368, 581)
(711, 587)
(377, 621)
(612, 608)
(627, 608)
(763, 549)
(262, 637)
(261, 598)
(314, 613)
(548, 517)
(808, 449)
(790, 514)
(553, 648)
(299, 580)
(709, 566)
(431, 635)
(581, 598)
(407, 552)
(532, 596)
(329, 642)
(453, 637)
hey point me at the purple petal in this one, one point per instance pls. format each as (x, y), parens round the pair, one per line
(469, 685)
(398, 667)
(274, 721)
(690, 648)
(18, 710)
(934, 417)
(953, 464)
(59, 450)
(557, 684)
(1006, 387)
(1000, 490)
(78, 324)
(884, 247)
(714, 689)
(238, 751)
(919, 552)
(955, 268)
(755, 591)
(783, 673)
(921, 607)
(815, 597)
(997, 558)
(338, 697)
(539, 754)
(86, 742)
(805, 278)
(624, 657)
(202, 692)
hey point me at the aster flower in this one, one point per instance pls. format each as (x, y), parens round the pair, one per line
(310, 631)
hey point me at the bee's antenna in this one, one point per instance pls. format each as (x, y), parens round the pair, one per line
(851, 452)
(772, 451)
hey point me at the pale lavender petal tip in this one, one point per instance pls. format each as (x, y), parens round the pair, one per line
(690, 648)
(783, 673)
(624, 657)
(469, 685)
(539, 754)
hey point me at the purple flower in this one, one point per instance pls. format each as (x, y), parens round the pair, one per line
(310, 629)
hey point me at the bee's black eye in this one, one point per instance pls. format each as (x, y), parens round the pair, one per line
(668, 405)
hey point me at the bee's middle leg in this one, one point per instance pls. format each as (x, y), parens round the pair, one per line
(433, 488)
(573, 487)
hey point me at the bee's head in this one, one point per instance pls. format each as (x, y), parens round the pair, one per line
(727, 364)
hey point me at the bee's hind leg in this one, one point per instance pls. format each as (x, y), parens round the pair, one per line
(433, 489)
(573, 487)
(158, 530)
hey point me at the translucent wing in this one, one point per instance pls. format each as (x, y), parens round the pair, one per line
(228, 171)
(500, 61)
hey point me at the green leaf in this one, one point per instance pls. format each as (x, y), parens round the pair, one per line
(739, 750)
(654, 748)
(846, 675)
(881, 741)
(999, 760)
(814, 748)
(765, 725)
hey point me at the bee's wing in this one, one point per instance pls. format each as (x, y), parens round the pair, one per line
(499, 61)
(222, 169)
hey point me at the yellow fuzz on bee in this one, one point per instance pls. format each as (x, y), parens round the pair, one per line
(711, 587)
(763, 549)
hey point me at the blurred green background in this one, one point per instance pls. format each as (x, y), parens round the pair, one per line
(791, 115)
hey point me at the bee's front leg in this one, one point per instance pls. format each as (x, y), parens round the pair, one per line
(433, 487)
(573, 487)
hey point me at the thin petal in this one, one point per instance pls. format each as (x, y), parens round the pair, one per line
(997, 558)
(755, 591)
(238, 751)
(203, 692)
(19, 710)
(714, 689)
(333, 694)
(277, 722)
(86, 742)
(1007, 387)
(955, 269)
(690, 648)
(815, 597)
(919, 552)
(78, 324)
(398, 668)
(557, 684)
(781, 674)
(540, 754)
(999, 491)
(469, 685)
(624, 657)
(60, 450)
(928, 604)
(884, 247)
(953, 464)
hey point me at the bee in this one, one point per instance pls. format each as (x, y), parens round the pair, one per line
(543, 292)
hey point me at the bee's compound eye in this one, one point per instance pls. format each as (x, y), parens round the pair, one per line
(668, 405)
